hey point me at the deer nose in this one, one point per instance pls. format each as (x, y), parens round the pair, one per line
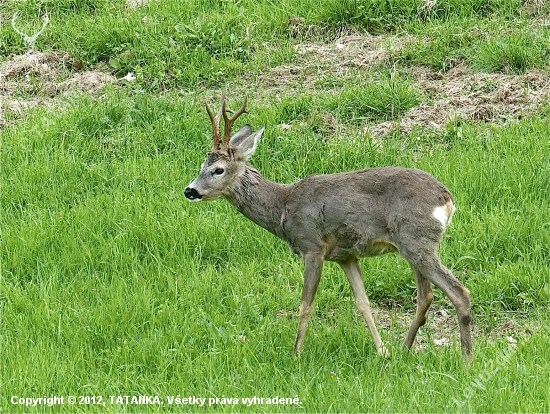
(192, 194)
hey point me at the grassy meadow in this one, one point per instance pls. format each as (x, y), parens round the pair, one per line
(112, 284)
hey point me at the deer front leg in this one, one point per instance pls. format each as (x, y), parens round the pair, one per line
(353, 272)
(313, 264)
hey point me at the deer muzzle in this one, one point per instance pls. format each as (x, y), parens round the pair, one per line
(192, 194)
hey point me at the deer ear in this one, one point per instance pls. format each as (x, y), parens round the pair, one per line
(244, 142)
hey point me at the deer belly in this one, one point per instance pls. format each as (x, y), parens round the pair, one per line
(378, 247)
(375, 247)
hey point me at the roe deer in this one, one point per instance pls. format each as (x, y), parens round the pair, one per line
(340, 217)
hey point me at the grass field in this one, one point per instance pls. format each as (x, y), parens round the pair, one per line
(112, 284)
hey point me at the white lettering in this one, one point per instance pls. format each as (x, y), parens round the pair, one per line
(33, 402)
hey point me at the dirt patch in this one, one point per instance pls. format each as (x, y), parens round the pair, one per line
(465, 96)
(317, 62)
(36, 79)
(353, 51)
(459, 94)
(512, 329)
(441, 328)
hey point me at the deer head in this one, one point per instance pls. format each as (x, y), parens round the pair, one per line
(227, 158)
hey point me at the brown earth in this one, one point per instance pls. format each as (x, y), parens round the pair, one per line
(458, 94)
(462, 95)
(36, 79)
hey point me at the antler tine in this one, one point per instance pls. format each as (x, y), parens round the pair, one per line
(216, 123)
(228, 122)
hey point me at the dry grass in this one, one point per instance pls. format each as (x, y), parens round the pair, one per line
(345, 57)
(458, 94)
(38, 79)
(462, 95)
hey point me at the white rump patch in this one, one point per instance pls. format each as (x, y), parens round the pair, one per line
(443, 214)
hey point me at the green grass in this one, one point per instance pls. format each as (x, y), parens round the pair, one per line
(513, 53)
(113, 284)
(380, 100)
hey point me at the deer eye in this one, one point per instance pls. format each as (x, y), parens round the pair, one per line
(218, 171)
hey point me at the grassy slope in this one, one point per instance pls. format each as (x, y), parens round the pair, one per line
(113, 285)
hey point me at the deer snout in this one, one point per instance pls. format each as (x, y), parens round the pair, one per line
(192, 194)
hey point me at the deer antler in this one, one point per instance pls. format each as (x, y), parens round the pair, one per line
(30, 39)
(216, 123)
(228, 122)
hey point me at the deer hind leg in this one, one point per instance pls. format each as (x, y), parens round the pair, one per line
(313, 264)
(353, 273)
(424, 298)
(427, 262)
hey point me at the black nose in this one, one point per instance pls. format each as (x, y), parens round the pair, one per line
(191, 193)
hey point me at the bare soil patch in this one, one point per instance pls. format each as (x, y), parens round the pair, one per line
(344, 57)
(441, 328)
(36, 79)
(465, 96)
(134, 4)
(459, 94)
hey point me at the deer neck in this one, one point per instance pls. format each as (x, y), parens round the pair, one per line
(259, 199)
